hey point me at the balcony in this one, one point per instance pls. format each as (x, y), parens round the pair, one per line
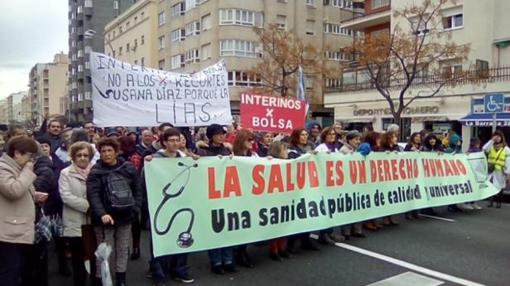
(365, 21)
(494, 75)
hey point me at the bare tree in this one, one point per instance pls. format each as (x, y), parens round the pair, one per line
(283, 53)
(411, 54)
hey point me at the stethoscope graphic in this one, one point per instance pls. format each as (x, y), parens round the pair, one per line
(185, 239)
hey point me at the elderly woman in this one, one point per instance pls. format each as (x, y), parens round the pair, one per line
(115, 198)
(73, 191)
(16, 206)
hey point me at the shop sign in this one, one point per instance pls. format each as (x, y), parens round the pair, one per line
(386, 111)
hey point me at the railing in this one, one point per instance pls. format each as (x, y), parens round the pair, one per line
(466, 77)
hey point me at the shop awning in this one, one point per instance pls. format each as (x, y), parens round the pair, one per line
(485, 119)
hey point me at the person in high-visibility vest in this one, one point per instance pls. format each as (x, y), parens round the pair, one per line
(498, 155)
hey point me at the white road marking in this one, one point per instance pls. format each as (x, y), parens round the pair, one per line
(413, 267)
(406, 279)
(437, 217)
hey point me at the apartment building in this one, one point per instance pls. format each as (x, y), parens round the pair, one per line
(14, 107)
(48, 83)
(481, 24)
(131, 37)
(87, 20)
(3, 112)
(26, 108)
(193, 34)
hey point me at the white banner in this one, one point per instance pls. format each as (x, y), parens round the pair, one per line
(131, 95)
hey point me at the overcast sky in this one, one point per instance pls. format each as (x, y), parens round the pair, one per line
(31, 31)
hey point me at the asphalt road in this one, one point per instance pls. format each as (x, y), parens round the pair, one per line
(470, 248)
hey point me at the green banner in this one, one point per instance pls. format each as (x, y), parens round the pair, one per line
(212, 202)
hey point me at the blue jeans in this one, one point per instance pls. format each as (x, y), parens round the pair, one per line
(221, 256)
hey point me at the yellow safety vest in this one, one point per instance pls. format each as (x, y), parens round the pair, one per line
(497, 158)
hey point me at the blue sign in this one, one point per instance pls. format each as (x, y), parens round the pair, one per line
(494, 102)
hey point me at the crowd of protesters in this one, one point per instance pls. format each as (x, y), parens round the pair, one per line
(56, 186)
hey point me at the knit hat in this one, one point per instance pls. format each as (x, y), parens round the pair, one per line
(214, 129)
(43, 139)
(352, 134)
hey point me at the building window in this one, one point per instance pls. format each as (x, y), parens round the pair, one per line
(136, 44)
(73, 44)
(190, 4)
(120, 51)
(116, 4)
(310, 27)
(240, 17)
(206, 51)
(239, 48)
(241, 78)
(161, 19)
(335, 56)
(87, 65)
(376, 4)
(79, 10)
(142, 40)
(453, 22)
(161, 64)
(281, 21)
(80, 96)
(192, 28)
(87, 95)
(136, 62)
(142, 61)
(161, 42)
(127, 48)
(177, 61)
(206, 22)
(310, 2)
(451, 71)
(127, 25)
(178, 9)
(192, 56)
(80, 68)
(330, 28)
(177, 35)
(342, 4)
(88, 49)
(88, 3)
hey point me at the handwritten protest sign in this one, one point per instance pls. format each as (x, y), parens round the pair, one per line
(246, 199)
(272, 113)
(131, 95)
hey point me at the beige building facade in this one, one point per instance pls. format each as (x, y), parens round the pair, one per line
(193, 34)
(48, 84)
(357, 104)
(26, 108)
(4, 118)
(131, 36)
(14, 107)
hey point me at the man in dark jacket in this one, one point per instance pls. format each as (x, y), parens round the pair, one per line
(55, 134)
(115, 197)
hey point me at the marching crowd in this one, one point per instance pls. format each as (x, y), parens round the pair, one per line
(77, 187)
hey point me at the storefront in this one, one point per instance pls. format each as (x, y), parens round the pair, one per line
(435, 115)
(479, 123)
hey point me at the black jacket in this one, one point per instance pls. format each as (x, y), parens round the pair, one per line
(214, 151)
(96, 192)
(47, 182)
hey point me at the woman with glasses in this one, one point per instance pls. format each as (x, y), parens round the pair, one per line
(73, 191)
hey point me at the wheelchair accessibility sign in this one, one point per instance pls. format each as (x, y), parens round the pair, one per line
(494, 102)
